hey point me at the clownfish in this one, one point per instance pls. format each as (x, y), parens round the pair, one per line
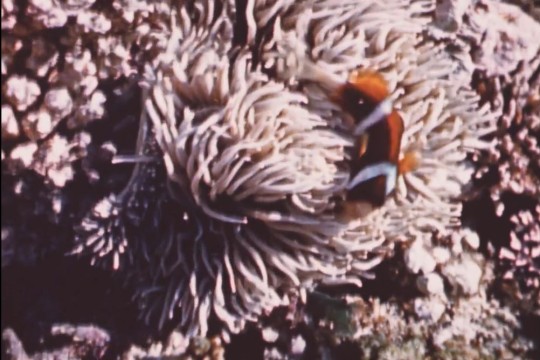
(378, 127)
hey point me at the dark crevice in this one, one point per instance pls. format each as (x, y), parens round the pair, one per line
(248, 342)
(62, 290)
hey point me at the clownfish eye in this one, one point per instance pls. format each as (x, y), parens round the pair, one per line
(383, 109)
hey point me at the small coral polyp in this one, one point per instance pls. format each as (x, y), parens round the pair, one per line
(257, 157)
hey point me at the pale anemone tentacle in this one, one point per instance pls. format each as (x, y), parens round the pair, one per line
(434, 128)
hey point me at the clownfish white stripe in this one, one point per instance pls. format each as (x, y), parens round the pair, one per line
(370, 172)
(378, 114)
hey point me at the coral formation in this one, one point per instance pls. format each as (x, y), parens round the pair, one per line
(510, 173)
(194, 150)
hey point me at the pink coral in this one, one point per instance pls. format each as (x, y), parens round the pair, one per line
(510, 172)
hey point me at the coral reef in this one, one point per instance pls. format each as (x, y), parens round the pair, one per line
(90, 342)
(510, 175)
(194, 152)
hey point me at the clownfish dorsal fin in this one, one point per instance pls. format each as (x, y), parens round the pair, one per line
(395, 133)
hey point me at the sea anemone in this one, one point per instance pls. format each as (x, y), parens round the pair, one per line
(256, 154)
(430, 88)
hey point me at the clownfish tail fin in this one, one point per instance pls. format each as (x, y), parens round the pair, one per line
(409, 162)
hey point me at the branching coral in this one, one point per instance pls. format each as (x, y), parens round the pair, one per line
(510, 174)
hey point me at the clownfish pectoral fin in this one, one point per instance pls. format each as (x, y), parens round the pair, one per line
(380, 113)
(386, 169)
(363, 143)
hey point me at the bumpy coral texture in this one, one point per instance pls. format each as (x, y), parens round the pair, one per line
(510, 173)
(256, 155)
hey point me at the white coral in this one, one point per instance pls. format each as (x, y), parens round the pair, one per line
(21, 91)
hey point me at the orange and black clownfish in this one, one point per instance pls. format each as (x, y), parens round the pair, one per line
(378, 126)
(375, 165)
